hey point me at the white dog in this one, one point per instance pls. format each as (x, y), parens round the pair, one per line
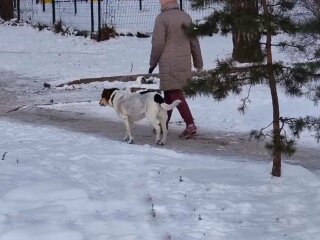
(132, 107)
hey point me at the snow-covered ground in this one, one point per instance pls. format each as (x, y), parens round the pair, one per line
(58, 59)
(61, 185)
(64, 185)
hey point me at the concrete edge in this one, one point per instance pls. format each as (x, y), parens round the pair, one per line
(123, 78)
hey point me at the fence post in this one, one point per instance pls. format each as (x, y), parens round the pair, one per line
(181, 5)
(99, 20)
(140, 5)
(75, 7)
(92, 17)
(18, 9)
(43, 5)
(53, 12)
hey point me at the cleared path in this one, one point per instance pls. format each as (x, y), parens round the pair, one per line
(18, 103)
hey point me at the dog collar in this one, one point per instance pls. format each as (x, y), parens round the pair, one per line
(112, 97)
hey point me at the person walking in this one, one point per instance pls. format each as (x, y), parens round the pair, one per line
(172, 49)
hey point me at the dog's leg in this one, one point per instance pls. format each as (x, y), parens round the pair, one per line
(163, 117)
(130, 132)
(155, 123)
(126, 138)
(128, 125)
(158, 129)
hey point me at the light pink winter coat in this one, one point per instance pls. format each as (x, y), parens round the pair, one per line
(172, 49)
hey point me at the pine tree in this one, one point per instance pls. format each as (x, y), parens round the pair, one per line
(246, 42)
(300, 78)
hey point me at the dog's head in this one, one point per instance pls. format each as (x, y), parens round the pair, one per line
(106, 95)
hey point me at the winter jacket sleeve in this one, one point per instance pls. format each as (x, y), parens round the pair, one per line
(196, 53)
(158, 41)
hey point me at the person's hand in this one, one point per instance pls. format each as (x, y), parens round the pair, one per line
(151, 70)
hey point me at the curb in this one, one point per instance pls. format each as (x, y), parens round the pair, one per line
(123, 78)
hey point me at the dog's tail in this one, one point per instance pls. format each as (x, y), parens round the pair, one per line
(159, 99)
(171, 106)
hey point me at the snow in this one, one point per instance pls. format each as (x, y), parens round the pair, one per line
(62, 185)
(59, 59)
(57, 184)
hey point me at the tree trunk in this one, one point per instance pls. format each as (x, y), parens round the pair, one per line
(246, 41)
(6, 9)
(276, 168)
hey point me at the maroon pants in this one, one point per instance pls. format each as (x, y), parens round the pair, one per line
(183, 108)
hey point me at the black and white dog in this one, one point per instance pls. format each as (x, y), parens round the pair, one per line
(132, 107)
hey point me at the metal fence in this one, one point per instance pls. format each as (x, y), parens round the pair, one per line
(126, 16)
(137, 15)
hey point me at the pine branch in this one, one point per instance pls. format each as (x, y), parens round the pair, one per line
(218, 21)
(311, 26)
(260, 135)
(296, 79)
(312, 7)
(313, 93)
(244, 106)
(285, 44)
(288, 142)
(202, 4)
(286, 146)
(298, 125)
(226, 78)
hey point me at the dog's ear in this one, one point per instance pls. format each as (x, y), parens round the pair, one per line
(107, 92)
(113, 89)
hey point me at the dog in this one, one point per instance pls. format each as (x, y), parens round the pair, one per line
(135, 106)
